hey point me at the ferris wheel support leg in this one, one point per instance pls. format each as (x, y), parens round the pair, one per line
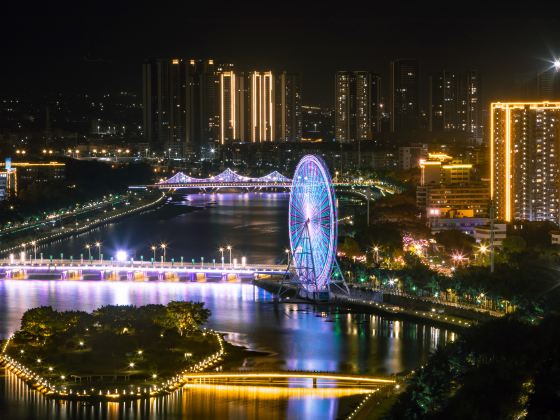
(285, 278)
(344, 287)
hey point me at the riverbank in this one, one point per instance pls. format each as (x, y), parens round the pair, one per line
(66, 231)
(356, 301)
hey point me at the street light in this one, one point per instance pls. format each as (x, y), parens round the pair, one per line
(163, 246)
(222, 251)
(229, 249)
(376, 250)
(98, 245)
(154, 249)
(34, 243)
(88, 247)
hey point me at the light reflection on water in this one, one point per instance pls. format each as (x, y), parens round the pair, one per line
(190, 402)
(299, 337)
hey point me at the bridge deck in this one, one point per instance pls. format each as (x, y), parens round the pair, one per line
(317, 378)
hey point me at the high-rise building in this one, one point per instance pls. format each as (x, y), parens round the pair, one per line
(524, 160)
(469, 104)
(376, 105)
(548, 85)
(404, 95)
(357, 110)
(443, 112)
(180, 110)
(164, 104)
(203, 116)
(228, 114)
(262, 106)
(288, 107)
(259, 107)
(317, 123)
(454, 103)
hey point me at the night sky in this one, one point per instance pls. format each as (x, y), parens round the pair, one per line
(81, 48)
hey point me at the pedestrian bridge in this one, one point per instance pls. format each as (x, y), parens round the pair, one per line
(303, 379)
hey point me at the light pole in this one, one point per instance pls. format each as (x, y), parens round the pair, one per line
(164, 247)
(222, 251)
(98, 245)
(154, 249)
(88, 247)
(376, 250)
(482, 251)
(229, 249)
(34, 243)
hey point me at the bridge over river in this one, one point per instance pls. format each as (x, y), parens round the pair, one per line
(68, 269)
(273, 181)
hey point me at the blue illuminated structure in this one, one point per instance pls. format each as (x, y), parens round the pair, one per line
(228, 176)
(313, 229)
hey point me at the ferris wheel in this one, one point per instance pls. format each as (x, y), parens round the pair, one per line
(313, 225)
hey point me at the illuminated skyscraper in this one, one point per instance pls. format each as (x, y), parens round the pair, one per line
(356, 106)
(228, 95)
(259, 107)
(262, 106)
(524, 160)
(404, 94)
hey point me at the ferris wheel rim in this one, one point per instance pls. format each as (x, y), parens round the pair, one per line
(313, 218)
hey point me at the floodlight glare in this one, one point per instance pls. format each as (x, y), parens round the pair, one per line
(121, 256)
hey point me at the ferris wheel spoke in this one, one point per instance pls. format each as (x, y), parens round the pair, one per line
(312, 223)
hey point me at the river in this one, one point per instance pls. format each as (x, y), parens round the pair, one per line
(294, 337)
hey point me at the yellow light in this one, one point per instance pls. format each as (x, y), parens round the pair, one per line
(176, 61)
(508, 165)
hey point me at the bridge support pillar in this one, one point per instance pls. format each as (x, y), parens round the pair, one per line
(102, 275)
(161, 276)
(314, 382)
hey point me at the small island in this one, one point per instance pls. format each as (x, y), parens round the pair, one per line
(115, 352)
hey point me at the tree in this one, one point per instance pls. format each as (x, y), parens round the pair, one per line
(514, 245)
(41, 323)
(187, 317)
(350, 247)
(455, 240)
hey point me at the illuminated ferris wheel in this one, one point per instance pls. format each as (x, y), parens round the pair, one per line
(313, 225)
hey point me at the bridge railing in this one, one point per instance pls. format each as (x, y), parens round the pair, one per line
(137, 265)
